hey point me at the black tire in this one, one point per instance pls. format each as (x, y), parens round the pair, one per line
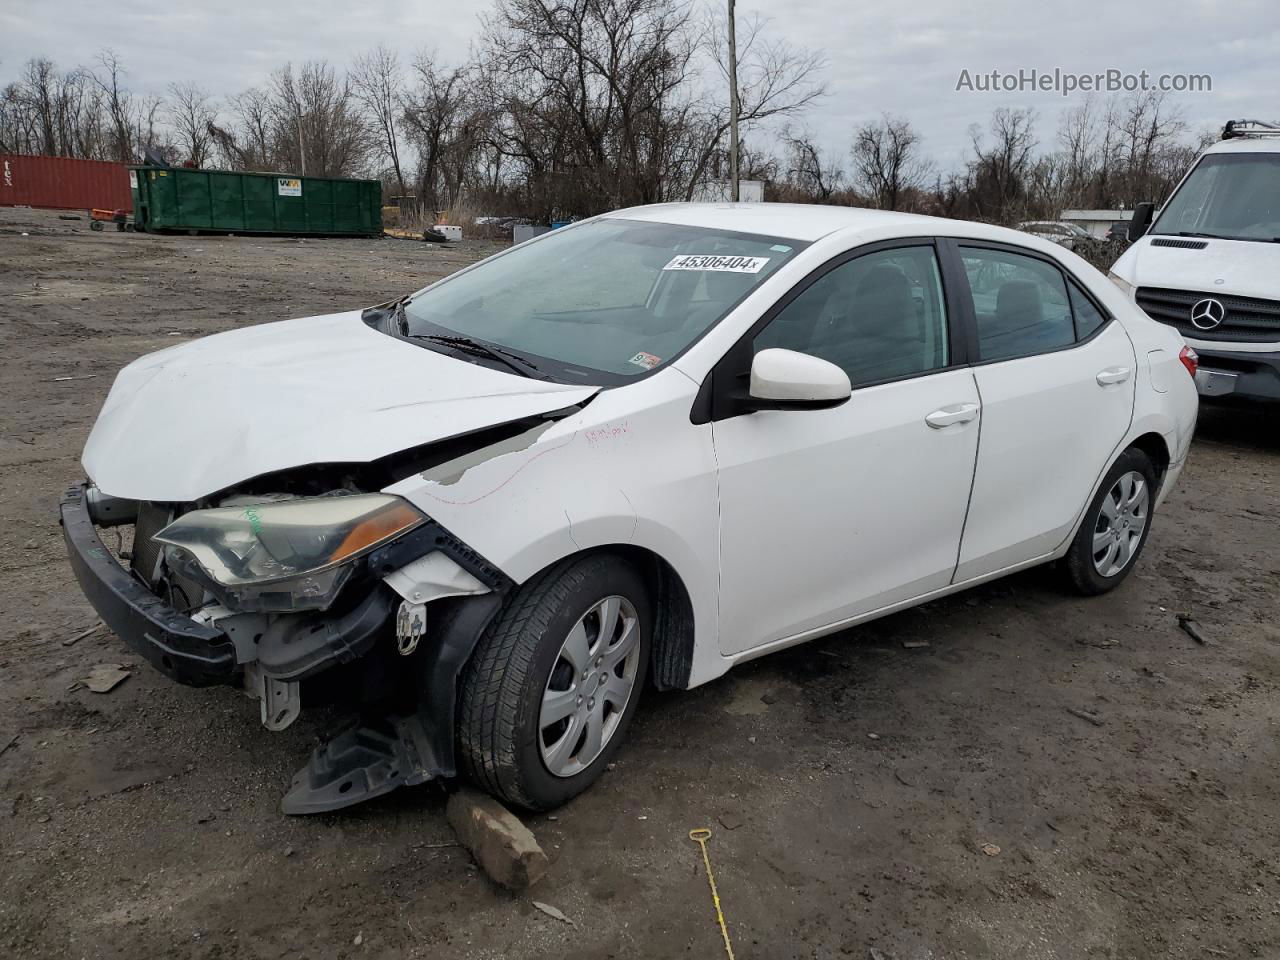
(505, 679)
(1081, 572)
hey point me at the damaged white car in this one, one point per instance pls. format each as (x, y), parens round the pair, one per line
(633, 452)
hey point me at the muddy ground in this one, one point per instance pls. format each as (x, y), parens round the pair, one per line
(851, 784)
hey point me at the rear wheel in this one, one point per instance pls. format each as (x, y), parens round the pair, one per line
(1115, 527)
(551, 688)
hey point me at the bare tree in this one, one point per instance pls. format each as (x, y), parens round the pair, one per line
(775, 79)
(191, 114)
(315, 124)
(249, 144)
(808, 172)
(1081, 135)
(378, 84)
(887, 161)
(118, 103)
(599, 87)
(998, 172)
(435, 115)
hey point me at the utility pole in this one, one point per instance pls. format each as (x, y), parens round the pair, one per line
(733, 106)
(302, 149)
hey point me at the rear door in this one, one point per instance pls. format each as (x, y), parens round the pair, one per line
(1056, 378)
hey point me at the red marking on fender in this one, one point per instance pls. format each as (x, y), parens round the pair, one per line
(515, 473)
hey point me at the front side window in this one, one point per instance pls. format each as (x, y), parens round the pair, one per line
(879, 317)
(1020, 304)
(1235, 196)
(603, 302)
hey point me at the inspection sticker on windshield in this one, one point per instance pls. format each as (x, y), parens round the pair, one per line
(695, 261)
(646, 360)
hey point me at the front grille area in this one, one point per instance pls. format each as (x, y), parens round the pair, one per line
(182, 594)
(145, 558)
(1248, 319)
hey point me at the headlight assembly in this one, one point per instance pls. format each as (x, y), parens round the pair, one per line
(1125, 286)
(283, 555)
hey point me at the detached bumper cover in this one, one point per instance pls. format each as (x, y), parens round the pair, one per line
(173, 643)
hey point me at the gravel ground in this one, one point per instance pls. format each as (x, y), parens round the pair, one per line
(851, 784)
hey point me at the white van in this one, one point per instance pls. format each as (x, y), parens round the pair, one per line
(1209, 266)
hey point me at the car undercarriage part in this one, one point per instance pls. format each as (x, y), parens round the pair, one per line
(280, 700)
(381, 752)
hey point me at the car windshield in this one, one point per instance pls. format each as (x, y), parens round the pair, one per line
(601, 302)
(1235, 196)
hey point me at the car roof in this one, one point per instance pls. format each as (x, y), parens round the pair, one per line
(806, 221)
(1246, 145)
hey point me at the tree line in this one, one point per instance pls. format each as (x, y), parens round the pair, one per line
(571, 107)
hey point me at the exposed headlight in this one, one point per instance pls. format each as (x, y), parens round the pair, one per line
(1125, 286)
(286, 555)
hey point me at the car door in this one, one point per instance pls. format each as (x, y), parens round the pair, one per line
(1056, 377)
(827, 514)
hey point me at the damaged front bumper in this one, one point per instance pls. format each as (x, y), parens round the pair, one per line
(177, 646)
(392, 741)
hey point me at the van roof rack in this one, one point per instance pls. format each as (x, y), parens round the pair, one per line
(1249, 128)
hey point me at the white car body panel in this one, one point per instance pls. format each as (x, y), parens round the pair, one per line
(199, 417)
(864, 504)
(629, 469)
(1047, 427)
(744, 510)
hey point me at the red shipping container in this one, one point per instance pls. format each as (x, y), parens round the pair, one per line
(63, 183)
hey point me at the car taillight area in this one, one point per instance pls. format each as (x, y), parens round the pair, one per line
(1190, 359)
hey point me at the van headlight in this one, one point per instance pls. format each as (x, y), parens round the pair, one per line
(283, 555)
(1125, 286)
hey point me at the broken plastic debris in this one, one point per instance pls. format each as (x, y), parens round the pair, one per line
(553, 913)
(105, 677)
(82, 634)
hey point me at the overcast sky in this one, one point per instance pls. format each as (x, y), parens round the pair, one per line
(904, 56)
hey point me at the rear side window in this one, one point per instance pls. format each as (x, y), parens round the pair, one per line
(1020, 304)
(1088, 317)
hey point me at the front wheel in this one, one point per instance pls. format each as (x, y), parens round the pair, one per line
(552, 685)
(1115, 527)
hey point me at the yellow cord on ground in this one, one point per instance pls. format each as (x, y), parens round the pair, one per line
(700, 837)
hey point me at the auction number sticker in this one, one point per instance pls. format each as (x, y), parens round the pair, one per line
(289, 186)
(718, 263)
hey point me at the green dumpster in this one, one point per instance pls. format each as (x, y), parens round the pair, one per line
(225, 201)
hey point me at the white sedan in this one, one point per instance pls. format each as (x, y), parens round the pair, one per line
(637, 450)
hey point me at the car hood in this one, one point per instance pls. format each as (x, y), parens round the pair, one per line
(189, 421)
(1241, 268)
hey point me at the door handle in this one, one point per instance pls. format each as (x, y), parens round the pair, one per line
(955, 413)
(1113, 375)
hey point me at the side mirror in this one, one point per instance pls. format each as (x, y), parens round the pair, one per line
(1141, 222)
(785, 379)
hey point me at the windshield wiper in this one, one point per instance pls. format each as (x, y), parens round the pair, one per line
(1218, 236)
(510, 360)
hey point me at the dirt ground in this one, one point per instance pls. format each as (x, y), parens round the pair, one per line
(851, 784)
